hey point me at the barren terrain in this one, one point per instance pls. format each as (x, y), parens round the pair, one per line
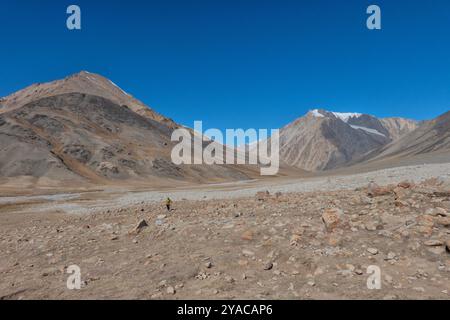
(312, 238)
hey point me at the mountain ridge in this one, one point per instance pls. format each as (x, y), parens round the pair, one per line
(325, 140)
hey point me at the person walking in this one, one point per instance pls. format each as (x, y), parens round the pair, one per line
(168, 204)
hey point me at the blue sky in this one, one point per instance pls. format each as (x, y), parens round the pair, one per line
(240, 63)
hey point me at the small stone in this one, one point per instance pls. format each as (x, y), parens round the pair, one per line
(405, 184)
(359, 272)
(295, 239)
(372, 226)
(400, 204)
(263, 195)
(179, 286)
(247, 235)
(388, 279)
(208, 265)
(171, 290)
(350, 267)
(248, 253)
(443, 221)
(162, 284)
(376, 191)
(433, 243)
(268, 266)
(372, 251)
(441, 212)
(438, 250)
(141, 225)
(311, 283)
(391, 256)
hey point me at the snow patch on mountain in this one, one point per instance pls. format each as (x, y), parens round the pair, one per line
(368, 130)
(316, 113)
(346, 116)
(340, 115)
(115, 85)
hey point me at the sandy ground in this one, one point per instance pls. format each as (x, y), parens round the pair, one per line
(313, 238)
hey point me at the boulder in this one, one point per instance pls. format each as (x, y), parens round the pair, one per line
(141, 225)
(332, 218)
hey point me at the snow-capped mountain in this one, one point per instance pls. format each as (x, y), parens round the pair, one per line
(323, 140)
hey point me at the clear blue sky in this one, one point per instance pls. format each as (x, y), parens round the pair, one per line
(240, 63)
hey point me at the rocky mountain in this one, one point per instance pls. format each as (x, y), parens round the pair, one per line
(83, 82)
(432, 137)
(398, 127)
(85, 128)
(323, 140)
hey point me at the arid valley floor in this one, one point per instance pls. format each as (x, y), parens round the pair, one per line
(311, 238)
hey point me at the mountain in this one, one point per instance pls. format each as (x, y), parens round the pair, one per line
(86, 129)
(323, 140)
(83, 82)
(398, 127)
(431, 138)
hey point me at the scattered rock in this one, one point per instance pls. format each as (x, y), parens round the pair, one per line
(295, 239)
(426, 224)
(400, 204)
(140, 226)
(262, 195)
(247, 235)
(433, 243)
(405, 185)
(248, 253)
(373, 251)
(171, 290)
(332, 218)
(268, 266)
(443, 221)
(376, 191)
(391, 256)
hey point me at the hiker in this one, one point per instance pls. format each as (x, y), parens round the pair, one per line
(168, 203)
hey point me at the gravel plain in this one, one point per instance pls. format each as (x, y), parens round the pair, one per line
(114, 198)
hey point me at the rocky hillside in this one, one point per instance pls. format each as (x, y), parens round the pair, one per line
(83, 82)
(323, 140)
(84, 128)
(398, 127)
(431, 137)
